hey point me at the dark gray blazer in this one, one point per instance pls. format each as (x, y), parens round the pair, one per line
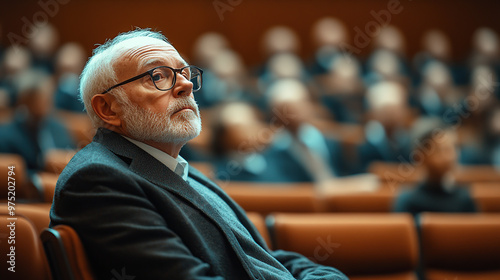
(135, 215)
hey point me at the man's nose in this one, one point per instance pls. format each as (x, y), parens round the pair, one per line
(183, 86)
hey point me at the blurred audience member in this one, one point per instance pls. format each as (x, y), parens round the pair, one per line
(33, 131)
(386, 134)
(385, 65)
(437, 94)
(224, 80)
(478, 124)
(277, 40)
(207, 47)
(43, 46)
(329, 36)
(391, 39)
(474, 111)
(282, 66)
(435, 146)
(486, 150)
(485, 48)
(16, 60)
(342, 89)
(299, 150)
(70, 61)
(280, 39)
(240, 137)
(436, 46)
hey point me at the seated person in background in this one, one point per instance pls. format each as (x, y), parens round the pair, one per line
(239, 144)
(34, 131)
(299, 151)
(485, 49)
(226, 80)
(384, 65)
(16, 60)
(278, 40)
(70, 61)
(386, 135)
(435, 146)
(330, 37)
(281, 66)
(133, 201)
(207, 46)
(342, 90)
(436, 46)
(43, 44)
(437, 94)
(485, 150)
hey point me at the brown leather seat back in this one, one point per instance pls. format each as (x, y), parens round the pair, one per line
(486, 196)
(66, 254)
(357, 244)
(19, 176)
(28, 256)
(267, 198)
(36, 213)
(464, 245)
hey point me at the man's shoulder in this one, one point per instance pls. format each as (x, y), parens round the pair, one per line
(93, 156)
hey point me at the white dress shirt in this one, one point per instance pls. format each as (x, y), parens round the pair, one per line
(178, 165)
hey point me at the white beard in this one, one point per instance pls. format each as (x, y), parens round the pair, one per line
(145, 125)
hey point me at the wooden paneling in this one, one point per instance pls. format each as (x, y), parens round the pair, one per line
(91, 22)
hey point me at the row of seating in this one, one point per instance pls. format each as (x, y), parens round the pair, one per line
(364, 246)
(269, 198)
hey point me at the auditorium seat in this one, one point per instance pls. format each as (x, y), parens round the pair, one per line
(363, 246)
(396, 174)
(57, 159)
(407, 174)
(30, 260)
(486, 196)
(380, 200)
(36, 213)
(66, 255)
(205, 168)
(467, 174)
(48, 183)
(20, 175)
(79, 126)
(267, 198)
(460, 246)
(260, 224)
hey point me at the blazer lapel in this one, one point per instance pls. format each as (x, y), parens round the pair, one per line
(146, 166)
(154, 171)
(240, 213)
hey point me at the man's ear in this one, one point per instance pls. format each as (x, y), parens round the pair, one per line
(107, 108)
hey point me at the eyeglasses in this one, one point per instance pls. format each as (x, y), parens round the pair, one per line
(164, 77)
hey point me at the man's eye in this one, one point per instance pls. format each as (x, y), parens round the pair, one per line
(186, 74)
(157, 77)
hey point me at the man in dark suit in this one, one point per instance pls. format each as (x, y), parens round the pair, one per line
(137, 206)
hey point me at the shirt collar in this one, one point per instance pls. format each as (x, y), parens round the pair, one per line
(179, 165)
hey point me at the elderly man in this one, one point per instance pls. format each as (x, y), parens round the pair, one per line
(137, 206)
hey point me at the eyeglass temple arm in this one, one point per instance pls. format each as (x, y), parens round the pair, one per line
(126, 82)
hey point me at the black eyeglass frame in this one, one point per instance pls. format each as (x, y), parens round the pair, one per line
(150, 73)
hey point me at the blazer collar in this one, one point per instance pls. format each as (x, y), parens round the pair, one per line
(145, 165)
(154, 171)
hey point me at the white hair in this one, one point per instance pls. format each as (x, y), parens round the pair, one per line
(99, 73)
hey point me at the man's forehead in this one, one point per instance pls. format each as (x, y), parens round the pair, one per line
(144, 50)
